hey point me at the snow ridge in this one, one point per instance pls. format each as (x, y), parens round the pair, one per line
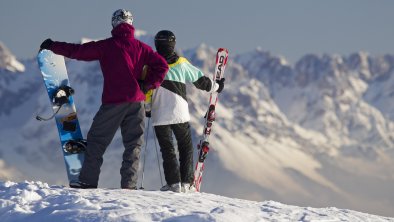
(39, 202)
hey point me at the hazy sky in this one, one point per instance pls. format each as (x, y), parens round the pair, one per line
(290, 28)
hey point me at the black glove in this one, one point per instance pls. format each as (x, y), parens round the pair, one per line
(221, 84)
(142, 86)
(148, 114)
(46, 44)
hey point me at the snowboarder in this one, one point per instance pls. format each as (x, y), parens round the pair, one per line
(121, 58)
(170, 113)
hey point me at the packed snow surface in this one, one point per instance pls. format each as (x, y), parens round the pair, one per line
(39, 202)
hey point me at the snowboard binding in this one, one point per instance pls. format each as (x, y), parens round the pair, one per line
(61, 95)
(59, 98)
(69, 123)
(75, 146)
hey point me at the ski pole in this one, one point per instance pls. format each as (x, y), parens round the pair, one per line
(146, 148)
(157, 157)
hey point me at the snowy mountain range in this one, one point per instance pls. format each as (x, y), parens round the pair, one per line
(317, 133)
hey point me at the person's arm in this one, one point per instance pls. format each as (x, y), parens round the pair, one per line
(204, 83)
(200, 81)
(86, 52)
(157, 69)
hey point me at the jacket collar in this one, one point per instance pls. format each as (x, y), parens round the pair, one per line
(123, 30)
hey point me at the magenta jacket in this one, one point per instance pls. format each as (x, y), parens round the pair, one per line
(121, 58)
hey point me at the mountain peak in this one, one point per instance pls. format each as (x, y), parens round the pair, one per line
(8, 60)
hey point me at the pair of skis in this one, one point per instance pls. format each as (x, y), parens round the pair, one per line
(203, 146)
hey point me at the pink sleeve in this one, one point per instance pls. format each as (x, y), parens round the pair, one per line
(85, 52)
(157, 69)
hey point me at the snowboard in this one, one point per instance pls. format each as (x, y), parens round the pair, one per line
(54, 73)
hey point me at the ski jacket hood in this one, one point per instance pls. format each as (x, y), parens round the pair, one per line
(121, 58)
(123, 30)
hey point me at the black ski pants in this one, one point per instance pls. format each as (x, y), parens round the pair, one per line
(130, 118)
(174, 172)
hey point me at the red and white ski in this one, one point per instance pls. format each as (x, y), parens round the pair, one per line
(203, 146)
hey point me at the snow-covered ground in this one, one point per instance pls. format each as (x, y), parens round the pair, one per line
(39, 202)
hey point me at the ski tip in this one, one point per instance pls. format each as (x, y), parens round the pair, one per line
(222, 49)
(222, 55)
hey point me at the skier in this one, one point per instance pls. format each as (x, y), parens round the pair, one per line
(121, 58)
(170, 113)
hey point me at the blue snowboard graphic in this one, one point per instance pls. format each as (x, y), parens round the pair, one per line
(54, 73)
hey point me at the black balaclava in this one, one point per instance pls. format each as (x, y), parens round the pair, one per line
(165, 45)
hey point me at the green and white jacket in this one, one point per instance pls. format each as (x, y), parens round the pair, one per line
(169, 102)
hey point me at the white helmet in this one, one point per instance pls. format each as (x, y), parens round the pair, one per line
(121, 16)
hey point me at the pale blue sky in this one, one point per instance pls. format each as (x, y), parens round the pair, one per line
(290, 28)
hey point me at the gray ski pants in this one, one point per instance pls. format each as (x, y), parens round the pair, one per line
(130, 118)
